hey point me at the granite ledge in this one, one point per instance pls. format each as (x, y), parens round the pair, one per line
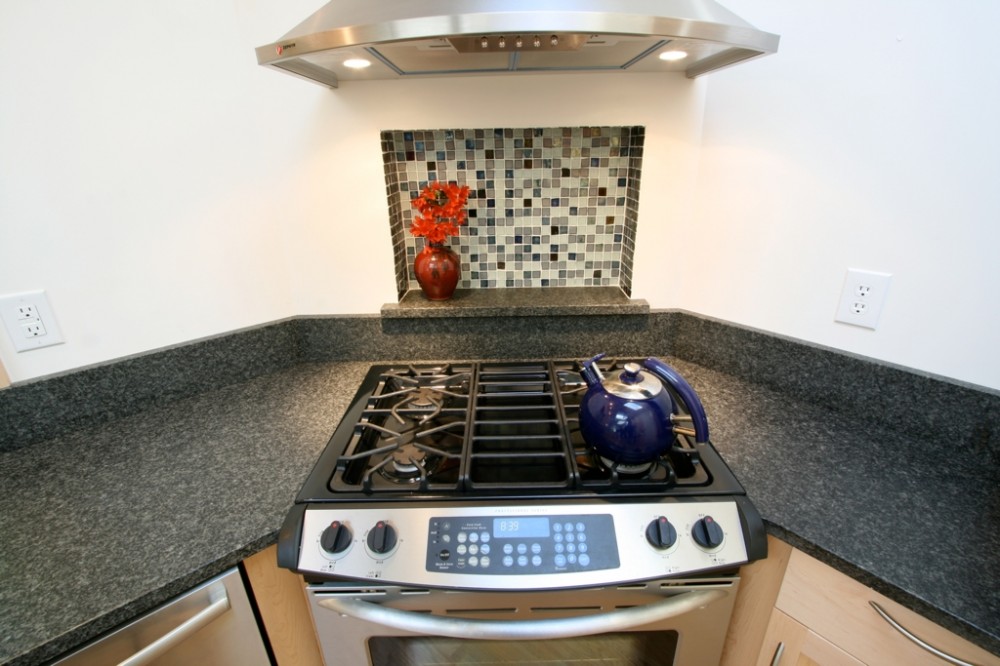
(524, 302)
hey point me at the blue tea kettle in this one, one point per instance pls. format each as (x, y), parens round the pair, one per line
(629, 418)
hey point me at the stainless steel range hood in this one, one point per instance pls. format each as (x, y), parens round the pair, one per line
(411, 38)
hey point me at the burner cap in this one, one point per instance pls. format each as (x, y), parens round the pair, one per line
(407, 464)
(628, 469)
(424, 398)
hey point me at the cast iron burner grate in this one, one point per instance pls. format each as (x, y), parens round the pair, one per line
(491, 428)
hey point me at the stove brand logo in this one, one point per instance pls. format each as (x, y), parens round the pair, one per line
(280, 48)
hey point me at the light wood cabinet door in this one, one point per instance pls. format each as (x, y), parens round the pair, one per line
(799, 646)
(838, 608)
(282, 604)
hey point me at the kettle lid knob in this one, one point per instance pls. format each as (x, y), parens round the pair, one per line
(631, 374)
(633, 384)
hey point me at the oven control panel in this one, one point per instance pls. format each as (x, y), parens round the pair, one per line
(515, 544)
(530, 546)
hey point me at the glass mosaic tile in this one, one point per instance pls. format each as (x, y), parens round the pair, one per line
(548, 207)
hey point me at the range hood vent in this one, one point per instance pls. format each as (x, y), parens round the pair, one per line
(385, 39)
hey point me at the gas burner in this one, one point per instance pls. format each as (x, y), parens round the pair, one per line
(427, 400)
(633, 470)
(409, 463)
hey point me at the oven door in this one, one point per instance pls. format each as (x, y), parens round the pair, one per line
(657, 623)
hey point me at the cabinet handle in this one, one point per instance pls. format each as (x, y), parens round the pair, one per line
(930, 648)
(778, 651)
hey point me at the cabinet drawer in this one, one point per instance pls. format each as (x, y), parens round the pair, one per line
(837, 608)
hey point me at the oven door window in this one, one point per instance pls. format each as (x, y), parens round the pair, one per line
(643, 648)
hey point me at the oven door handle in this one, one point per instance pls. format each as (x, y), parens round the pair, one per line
(563, 627)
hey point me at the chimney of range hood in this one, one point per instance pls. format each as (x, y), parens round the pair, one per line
(386, 39)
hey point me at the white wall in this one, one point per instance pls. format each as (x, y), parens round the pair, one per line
(162, 187)
(870, 141)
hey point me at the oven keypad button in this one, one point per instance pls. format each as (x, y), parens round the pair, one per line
(462, 537)
(473, 550)
(536, 560)
(522, 560)
(522, 548)
(484, 562)
(560, 560)
(584, 560)
(508, 548)
(474, 537)
(484, 537)
(462, 549)
(508, 561)
(484, 549)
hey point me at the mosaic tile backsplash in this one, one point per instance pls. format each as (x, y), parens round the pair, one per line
(548, 207)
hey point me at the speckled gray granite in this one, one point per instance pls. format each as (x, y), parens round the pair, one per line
(60, 404)
(107, 522)
(539, 302)
(121, 512)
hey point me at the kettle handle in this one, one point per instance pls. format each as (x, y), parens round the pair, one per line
(686, 393)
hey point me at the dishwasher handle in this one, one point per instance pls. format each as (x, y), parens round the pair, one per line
(550, 628)
(179, 634)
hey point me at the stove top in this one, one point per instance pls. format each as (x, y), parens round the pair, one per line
(487, 430)
(476, 476)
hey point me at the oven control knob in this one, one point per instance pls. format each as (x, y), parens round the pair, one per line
(661, 534)
(336, 538)
(382, 538)
(707, 533)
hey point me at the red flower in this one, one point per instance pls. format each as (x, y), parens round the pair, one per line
(441, 209)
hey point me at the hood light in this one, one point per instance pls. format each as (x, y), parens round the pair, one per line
(357, 63)
(671, 56)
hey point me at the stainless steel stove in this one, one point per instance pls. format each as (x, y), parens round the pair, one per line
(475, 478)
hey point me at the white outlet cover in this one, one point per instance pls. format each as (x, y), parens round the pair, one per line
(862, 297)
(22, 331)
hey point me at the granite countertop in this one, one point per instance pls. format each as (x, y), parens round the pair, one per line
(106, 522)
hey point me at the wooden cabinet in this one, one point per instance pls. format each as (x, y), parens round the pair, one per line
(800, 646)
(281, 600)
(822, 617)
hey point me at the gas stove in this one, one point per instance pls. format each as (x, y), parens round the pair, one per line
(476, 476)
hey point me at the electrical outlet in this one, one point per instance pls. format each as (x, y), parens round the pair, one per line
(30, 321)
(862, 297)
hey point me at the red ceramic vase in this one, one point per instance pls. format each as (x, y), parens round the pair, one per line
(437, 268)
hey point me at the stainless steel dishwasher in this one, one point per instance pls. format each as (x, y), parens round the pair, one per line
(211, 624)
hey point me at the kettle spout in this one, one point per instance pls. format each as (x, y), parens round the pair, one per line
(591, 373)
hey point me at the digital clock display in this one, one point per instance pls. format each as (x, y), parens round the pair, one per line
(520, 527)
